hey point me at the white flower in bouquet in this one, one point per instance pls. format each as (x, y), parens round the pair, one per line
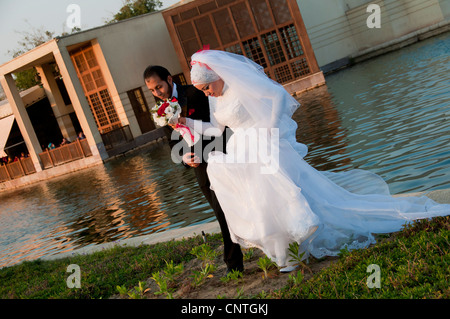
(165, 110)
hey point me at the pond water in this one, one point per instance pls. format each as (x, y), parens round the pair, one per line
(389, 115)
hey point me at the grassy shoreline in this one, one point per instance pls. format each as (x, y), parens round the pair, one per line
(414, 264)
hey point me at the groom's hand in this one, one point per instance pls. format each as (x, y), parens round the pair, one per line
(191, 160)
(174, 120)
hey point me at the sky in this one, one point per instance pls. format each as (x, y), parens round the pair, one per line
(18, 16)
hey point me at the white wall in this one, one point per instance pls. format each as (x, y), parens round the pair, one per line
(445, 6)
(338, 28)
(130, 46)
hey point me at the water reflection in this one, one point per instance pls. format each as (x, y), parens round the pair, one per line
(133, 195)
(321, 130)
(389, 115)
(395, 111)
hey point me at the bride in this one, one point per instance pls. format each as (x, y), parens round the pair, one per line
(270, 195)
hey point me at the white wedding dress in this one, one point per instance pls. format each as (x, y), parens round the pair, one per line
(324, 212)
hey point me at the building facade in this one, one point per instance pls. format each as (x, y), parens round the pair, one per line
(92, 80)
(270, 32)
(94, 85)
(339, 32)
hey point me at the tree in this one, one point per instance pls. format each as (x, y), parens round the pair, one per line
(134, 8)
(74, 30)
(30, 40)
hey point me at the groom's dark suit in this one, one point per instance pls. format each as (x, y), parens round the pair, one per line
(195, 106)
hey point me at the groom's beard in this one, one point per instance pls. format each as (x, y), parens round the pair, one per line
(170, 89)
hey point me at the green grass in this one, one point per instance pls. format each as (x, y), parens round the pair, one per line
(414, 263)
(101, 272)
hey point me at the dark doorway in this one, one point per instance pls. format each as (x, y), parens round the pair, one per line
(15, 144)
(141, 110)
(44, 123)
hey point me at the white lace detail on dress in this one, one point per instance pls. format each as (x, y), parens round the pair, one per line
(230, 112)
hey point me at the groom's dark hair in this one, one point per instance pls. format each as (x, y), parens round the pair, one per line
(158, 70)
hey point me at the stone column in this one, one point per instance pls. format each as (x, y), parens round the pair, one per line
(59, 108)
(23, 120)
(80, 103)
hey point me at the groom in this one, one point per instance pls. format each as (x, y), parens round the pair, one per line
(195, 106)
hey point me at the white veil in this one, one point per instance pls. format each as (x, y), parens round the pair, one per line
(267, 102)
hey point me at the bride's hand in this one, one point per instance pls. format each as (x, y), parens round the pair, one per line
(191, 159)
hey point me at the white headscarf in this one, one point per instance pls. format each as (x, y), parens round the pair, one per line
(202, 74)
(267, 101)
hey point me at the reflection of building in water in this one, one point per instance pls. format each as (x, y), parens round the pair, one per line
(123, 213)
(92, 210)
(157, 193)
(321, 130)
(142, 201)
(28, 239)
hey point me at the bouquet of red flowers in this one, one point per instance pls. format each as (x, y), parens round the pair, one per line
(167, 111)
